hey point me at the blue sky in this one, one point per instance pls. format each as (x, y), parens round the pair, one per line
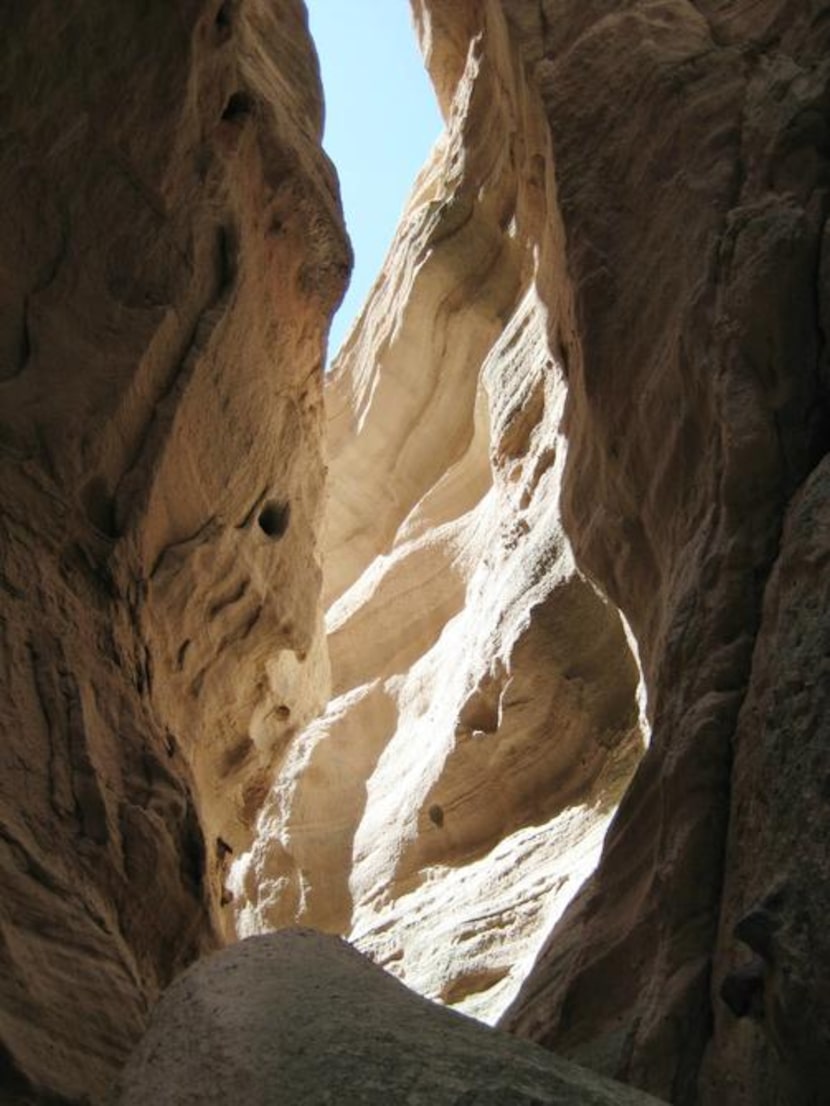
(381, 122)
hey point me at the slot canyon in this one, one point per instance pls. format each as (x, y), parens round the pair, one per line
(500, 652)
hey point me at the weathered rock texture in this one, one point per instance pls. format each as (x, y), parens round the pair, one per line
(485, 717)
(691, 149)
(300, 1019)
(776, 896)
(170, 251)
(593, 378)
(613, 356)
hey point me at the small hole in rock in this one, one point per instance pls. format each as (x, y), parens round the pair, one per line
(223, 18)
(227, 249)
(273, 519)
(240, 105)
(436, 815)
(100, 507)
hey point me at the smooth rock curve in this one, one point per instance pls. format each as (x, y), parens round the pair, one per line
(301, 1019)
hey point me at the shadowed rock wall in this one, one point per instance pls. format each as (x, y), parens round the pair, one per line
(691, 152)
(170, 250)
(325, 1024)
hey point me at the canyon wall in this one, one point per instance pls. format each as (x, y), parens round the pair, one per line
(592, 377)
(576, 450)
(691, 151)
(485, 714)
(171, 248)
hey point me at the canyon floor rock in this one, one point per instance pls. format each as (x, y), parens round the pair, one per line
(302, 1019)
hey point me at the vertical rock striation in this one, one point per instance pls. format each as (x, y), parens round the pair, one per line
(171, 247)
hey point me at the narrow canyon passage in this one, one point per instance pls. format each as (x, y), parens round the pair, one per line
(484, 715)
(370, 652)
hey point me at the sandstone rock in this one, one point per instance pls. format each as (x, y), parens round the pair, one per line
(692, 172)
(485, 718)
(170, 250)
(592, 379)
(775, 901)
(611, 273)
(299, 1019)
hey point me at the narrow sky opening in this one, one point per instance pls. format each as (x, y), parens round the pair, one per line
(381, 122)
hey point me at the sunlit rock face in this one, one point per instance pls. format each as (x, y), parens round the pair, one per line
(592, 378)
(599, 341)
(170, 250)
(485, 714)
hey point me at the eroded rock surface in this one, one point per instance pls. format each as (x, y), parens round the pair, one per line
(593, 378)
(604, 319)
(485, 715)
(170, 250)
(301, 1019)
(692, 167)
(773, 955)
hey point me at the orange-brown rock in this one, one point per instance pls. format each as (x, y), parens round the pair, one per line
(582, 419)
(170, 250)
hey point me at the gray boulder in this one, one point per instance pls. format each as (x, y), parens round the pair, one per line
(297, 1018)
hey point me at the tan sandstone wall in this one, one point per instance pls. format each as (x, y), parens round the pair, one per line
(171, 248)
(592, 378)
(485, 715)
(594, 366)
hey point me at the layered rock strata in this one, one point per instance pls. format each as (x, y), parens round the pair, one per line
(297, 1018)
(170, 250)
(485, 717)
